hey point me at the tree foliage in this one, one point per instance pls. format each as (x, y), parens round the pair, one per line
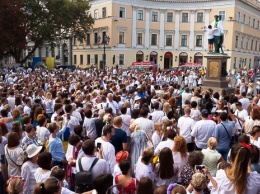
(40, 22)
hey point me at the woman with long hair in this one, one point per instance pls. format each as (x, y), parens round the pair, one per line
(180, 154)
(252, 120)
(239, 178)
(17, 116)
(145, 186)
(166, 171)
(51, 186)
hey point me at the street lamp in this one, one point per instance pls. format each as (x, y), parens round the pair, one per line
(105, 42)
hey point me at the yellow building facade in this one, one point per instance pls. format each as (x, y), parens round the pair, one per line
(168, 33)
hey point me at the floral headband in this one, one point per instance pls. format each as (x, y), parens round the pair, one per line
(170, 188)
(13, 177)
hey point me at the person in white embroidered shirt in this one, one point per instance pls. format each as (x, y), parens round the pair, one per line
(108, 150)
(158, 114)
(113, 104)
(27, 107)
(89, 149)
(73, 121)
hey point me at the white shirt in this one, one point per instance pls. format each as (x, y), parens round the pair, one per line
(157, 116)
(202, 131)
(27, 110)
(126, 124)
(15, 155)
(108, 153)
(69, 154)
(41, 177)
(43, 134)
(99, 168)
(185, 124)
(241, 114)
(168, 143)
(245, 102)
(28, 171)
(89, 127)
(146, 125)
(143, 170)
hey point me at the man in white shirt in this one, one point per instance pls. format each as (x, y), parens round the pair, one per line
(157, 114)
(185, 126)
(202, 131)
(241, 114)
(126, 122)
(73, 121)
(108, 150)
(169, 143)
(89, 149)
(27, 107)
(11, 100)
(244, 100)
(145, 124)
(112, 104)
(186, 96)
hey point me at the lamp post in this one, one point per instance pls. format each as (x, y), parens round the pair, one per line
(105, 42)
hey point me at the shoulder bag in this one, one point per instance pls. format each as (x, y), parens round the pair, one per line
(231, 139)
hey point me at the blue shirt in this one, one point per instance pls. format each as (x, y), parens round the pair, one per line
(118, 139)
(221, 135)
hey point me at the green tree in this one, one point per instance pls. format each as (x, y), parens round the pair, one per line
(42, 22)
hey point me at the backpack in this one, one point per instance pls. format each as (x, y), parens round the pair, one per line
(84, 179)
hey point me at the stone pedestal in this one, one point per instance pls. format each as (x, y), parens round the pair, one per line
(216, 73)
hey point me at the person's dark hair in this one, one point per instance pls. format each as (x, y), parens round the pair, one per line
(12, 140)
(255, 153)
(109, 110)
(255, 130)
(145, 186)
(41, 120)
(156, 105)
(171, 134)
(144, 112)
(37, 111)
(78, 130)
(161, 189)
(223, 116)
(124, 166)
(216, 95)
(187, 90)
(209, 27)
(4, 113)
(88, 146)
(123, 110)
(18, 100)
(244, 138)
(195, 158)
(74, 139)
(29, 128)
(50, 186)
(166, 170)
(135, 114)
(243, 94)
(88, 113)
(52, 127)
(58, 173)
(68, 108)
(44, 160)
(107, 129)
(102, 183)
(233, 152)
(255, 113)
(57, 106)
(193, 104)
(26, 119)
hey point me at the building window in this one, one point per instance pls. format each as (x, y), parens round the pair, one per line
(169, 17)
(200, 17)
(185, 17)
(247, 42)
(258, 24)
(121, 37)
(103, 35)
(75, 59)
(199, 40)
(122, 12)
(81, 41)
(249, 21)
(222, 14)
(249, 65)
(238, 16)
(121, 59)
(184, 40)
(154, 40)
(88, 39)
(95, 59)
(88, 59)
(235, 62)
(140, 39)
(74, 41)
(242, 43)
(236, 43)
(155, 16)
(95, 38)
(252, 44)
(140, 15)
(96, 14)
(168, 40)
(46, 51)
(104, 12)
(256, 45)
(253, 23)
(81, 60)
(244, 18)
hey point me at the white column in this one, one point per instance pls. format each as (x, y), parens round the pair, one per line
(134, 27)
(207, 12)
(177, 29)
(162, 28)
(192, 22)
(147, 28)
(61, 54)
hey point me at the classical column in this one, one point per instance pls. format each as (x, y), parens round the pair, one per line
(162, 28)
(147, 28)
(192, 22)
(207, 12)
(134, 27)
(177, 29)
(61, 54)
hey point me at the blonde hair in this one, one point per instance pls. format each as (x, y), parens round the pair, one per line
(48, 96)
(212, 143)
(15, 186)
(166, 107)
(134, 127)
(156, 125)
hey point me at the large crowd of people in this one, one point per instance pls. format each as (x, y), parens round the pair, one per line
(127, 132)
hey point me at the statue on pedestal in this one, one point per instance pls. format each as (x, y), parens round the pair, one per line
(218, 34)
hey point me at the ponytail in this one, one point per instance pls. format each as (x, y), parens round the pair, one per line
(50, 186)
